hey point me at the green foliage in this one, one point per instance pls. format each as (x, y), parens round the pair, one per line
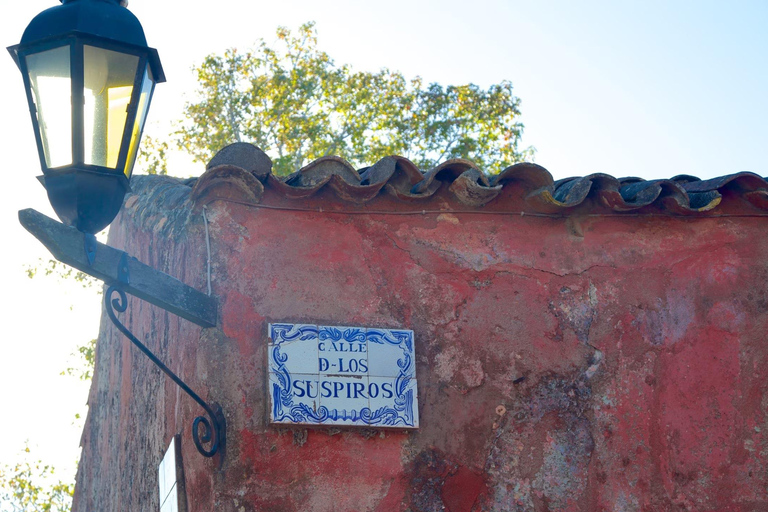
(86, 356)
(152, 157)
(297, 105)
(61, 271)
(29, 487)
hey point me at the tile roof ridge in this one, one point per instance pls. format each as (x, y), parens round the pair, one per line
(242, 170)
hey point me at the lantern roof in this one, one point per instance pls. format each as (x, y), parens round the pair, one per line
(101, 18)
(106, 19)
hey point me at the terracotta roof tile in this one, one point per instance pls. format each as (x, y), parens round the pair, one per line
(244, 174)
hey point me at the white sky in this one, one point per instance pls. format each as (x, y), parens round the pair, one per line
(646, 88)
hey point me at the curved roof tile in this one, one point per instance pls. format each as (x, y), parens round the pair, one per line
(246, 172)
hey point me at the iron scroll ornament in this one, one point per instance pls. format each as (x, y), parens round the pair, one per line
(214, 429)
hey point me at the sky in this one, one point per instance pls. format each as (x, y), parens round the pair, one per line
(634, 88)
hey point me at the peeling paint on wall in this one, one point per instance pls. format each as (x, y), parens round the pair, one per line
(592, 364)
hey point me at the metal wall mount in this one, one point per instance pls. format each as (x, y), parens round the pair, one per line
(214, 430)
(124, 274)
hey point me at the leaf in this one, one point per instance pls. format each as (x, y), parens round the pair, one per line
(29, 487)
(86, 354)
(297, 105)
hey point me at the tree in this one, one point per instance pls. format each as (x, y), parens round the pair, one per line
(27, 487)
(61, 271)
(152, 158)
(83, 369)
(31, 486)
(296, 104)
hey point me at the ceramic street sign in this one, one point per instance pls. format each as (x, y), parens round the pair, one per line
(355, 376)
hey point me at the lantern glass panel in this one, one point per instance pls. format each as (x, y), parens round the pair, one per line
(51, 82)
(108, 85)
(147, 87)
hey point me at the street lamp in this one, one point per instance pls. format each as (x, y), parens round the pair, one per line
(89, 77)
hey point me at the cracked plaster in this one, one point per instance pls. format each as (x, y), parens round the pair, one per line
(629, 361)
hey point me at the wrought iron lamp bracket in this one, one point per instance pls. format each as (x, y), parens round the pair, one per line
(125, 274)
(214, 426)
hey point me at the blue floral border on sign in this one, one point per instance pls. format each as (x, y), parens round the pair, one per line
(283, 408)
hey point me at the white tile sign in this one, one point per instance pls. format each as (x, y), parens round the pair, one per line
(325, 375)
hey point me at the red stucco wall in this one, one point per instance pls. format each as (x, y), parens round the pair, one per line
(582, 363)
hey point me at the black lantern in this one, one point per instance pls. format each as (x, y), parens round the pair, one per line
(89, 77)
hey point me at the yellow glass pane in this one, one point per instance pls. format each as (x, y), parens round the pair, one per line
(108, 79)
(147, 87)
(118, 99)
